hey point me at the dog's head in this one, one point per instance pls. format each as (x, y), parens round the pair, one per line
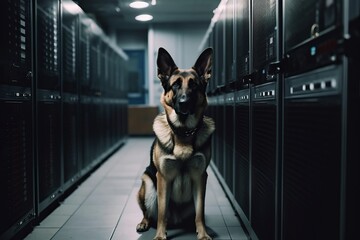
(184, 89)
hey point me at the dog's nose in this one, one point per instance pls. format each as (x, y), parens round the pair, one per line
(183, 98)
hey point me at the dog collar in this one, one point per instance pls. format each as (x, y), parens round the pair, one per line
(185, 133)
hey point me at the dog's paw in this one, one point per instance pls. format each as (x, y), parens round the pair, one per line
(204, 237)
(143, 226)
(159, 238)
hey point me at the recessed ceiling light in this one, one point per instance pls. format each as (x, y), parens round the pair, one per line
(72, 7)
(144, 17)
(139, 4)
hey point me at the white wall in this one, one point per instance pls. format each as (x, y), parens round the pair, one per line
(181, 41)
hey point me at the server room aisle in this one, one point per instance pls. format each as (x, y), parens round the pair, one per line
(104, 206)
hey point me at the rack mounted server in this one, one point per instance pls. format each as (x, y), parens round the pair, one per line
(286, 103)
(59, 78)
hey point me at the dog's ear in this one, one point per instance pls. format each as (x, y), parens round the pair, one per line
(166, 66)
(203, 64)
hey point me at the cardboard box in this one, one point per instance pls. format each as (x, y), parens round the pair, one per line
(141, 118)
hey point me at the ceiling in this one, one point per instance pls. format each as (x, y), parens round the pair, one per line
(117, 15)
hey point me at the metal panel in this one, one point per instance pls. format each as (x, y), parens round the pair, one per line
(264, 35)
(15, 53)
(70, 77)
(48, 105)
(16, 123)
(242, 149)
(312, 155)
(49, 146)
(242, 32)
(229, 42)
(229, 133)
(48, 36)
(16, 166)
(263, 161)
(306, 20)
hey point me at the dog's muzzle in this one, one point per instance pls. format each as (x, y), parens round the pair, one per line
(183, 106)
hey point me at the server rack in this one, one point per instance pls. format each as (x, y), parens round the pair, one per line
(312, 43)
(242, 39)
(242, 114)
(84, 82)
(352, 138)
(295, 116)
(220, 135)
(70, 100)
(263, 160)
(16, 125)
(219, 69)
(47, 89)
(229, 60)
(228, 157)
(310, 19)
(312, 154)
(264, 38)
(48, 102)
(265, 119)
(351, 150)
(319, 86)
(242, 150)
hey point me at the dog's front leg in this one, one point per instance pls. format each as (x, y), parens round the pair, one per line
(163, 192)
(199, 200)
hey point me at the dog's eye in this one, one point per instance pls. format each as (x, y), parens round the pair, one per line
(176, 84)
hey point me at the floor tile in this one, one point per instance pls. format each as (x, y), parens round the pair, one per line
(99, 210)
(237, 233)
(40, 233)
(84, 233)
(54, 221)
(66, 209)
(104, 206)
(102, 221)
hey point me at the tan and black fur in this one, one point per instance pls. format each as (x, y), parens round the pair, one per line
(173, 185)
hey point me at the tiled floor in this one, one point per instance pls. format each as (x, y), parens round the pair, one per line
(104, 206)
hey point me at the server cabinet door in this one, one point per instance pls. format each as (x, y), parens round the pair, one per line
(312, 155)
(229, 141)
(71, 137)
(16, 166)
(241, 38)
(229, 42)
(220, 134)
(352, 210)
(15, 51)
(242, 149)
(265, 36)
(49, 149)
(306, 20)
(219, 68)
(263, 161)
(70, 43)
(17, 204)
(211, 112)
(70, 76)
(48, 115)
(47, 44)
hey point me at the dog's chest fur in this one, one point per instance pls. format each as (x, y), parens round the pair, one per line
(182, 148)
(183, 158)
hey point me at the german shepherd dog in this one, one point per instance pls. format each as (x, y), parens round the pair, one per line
(173, 185)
